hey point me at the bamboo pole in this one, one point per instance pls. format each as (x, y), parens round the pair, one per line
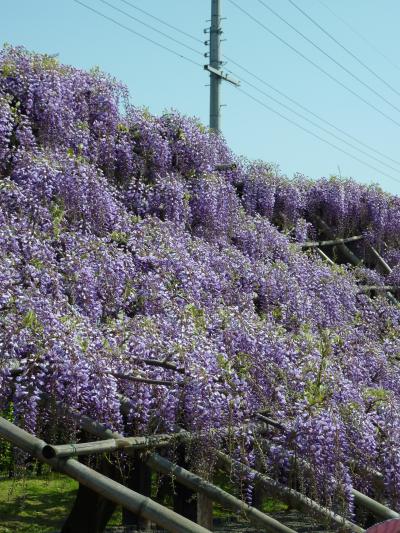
(367, 288)
(109, 445)
(95, 428)
(110, 489)
(378, 509)
(380, 260)
(332, 242)
(325, 257)
(291, 496)
(198, 484)
(342, 246)
(271, 422)
(355, 260)
(91, 424)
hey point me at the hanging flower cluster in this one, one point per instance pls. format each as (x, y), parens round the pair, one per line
(121, 241)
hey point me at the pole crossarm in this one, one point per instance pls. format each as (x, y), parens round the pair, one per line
(221, 74)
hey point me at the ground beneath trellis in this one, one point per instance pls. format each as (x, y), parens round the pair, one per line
(292, 519)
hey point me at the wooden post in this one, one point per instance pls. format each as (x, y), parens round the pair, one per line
(198, 484)
(204, 511)
(184, 498)
(139, 480)
(91, 511)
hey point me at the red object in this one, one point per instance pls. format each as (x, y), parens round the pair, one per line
(389, 526)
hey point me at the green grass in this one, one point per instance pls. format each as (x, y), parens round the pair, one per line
(38, 504)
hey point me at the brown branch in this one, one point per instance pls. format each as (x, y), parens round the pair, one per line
(142, 380)
(163, 364)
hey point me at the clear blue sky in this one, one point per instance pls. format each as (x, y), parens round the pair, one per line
(161, 81)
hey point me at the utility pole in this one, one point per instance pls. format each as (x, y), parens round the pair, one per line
(214, 66)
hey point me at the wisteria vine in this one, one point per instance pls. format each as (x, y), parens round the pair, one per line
(121, 242)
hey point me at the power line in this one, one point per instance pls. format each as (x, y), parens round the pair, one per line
(371, 105)
(162, 21)
(348, 71)
(360, 35)
(263, 104)
(278, 91)
(151, 27)
(254, 98)
(351, 145)
(343, 47)
(138, 34)
(267, 84)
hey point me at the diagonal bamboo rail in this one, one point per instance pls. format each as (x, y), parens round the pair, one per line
(198, 484)
(110, 489)
(190, 480)
(375, 507)
(292, 497)
(356, 261)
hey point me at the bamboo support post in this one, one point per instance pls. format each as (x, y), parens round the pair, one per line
(204, 511)
(350, 256)
(139, 480)
(324, 256)
(198, 484)
(271, 422)
(292, 497)
(353, 259)
(381, 261)
(95, 428)
(115, 492)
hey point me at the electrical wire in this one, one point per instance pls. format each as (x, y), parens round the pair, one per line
(162, 21)
(265, 83)
(310, 41)
(252, 97)
(315, 124)
(263, 104)
(127, 28)
(301, 106)
(360, 35)
(370, 70)
(268, 30)
(151, 27)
